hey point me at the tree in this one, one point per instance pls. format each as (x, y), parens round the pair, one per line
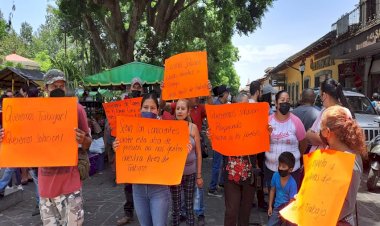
(26, 33)
(114, 25)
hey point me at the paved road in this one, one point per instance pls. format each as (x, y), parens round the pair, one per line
(104, 204)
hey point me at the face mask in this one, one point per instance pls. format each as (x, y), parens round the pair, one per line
(284, 108)
(229, 98)
(57, 93)
(323, 139)
(283, 173)
(148, 115)
(135, 93)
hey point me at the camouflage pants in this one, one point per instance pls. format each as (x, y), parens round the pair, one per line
(63, 210)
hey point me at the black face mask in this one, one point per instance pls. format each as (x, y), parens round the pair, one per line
(323, 139)
(284, 108)
(283, 173)
(135, 93)
(57, 93)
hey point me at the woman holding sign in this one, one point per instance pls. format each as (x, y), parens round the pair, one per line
(343, 133)
(288, 134)
(151, 201)
(193, 168)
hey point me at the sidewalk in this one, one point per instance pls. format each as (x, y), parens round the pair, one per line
(104, 204)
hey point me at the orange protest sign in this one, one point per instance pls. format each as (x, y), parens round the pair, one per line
(324, 188)
(127, 107)
(39, 132)
(239, 129)
(151, 151)
(186, 75)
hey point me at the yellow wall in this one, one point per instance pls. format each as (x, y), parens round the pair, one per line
(293, 76)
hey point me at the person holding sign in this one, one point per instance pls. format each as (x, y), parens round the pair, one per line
(193, 168)
(343, 133)
(283, 188)
(151, 201)
(239, 191)
(288, 134)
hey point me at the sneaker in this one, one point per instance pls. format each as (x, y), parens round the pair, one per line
(214, 193)
(7, 187)
(201, 220)
(19, 187)
(124, 220)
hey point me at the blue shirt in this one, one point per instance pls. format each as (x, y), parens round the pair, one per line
(283, 194)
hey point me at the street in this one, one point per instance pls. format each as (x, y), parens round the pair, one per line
(104, 204)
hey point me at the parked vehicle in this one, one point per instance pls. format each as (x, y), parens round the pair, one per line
(374, 162)
(365, 114)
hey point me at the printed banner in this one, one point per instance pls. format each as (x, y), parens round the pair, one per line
(327, 179)
(185, 76)
(239, 129)
(151, 151)
(127, 107)
(39, 132)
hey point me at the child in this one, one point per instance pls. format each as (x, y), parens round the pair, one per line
(284, 186)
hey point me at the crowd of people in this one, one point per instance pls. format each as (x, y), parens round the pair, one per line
(277, 172)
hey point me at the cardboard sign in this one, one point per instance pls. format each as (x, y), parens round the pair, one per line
(186, 75)
(127, 107)
(39, 132)
(327, 179)
(239, 129)
(151, 151)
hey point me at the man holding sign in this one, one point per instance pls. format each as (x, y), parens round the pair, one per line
(60, 187)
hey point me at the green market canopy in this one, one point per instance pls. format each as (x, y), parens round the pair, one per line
(122, 75)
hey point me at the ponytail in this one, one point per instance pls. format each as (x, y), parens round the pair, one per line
(335, 90)
(342, 99)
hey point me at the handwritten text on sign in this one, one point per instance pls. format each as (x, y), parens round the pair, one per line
(324, 188)
(39, 132)
(127, 107)
(239, 129)
(151, 151)
(186, 76)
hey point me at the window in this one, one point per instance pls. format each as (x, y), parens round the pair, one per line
(316, 82)
(306, 82)
(292, 97)
(297, 92)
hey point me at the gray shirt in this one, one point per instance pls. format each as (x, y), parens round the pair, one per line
(308, 114)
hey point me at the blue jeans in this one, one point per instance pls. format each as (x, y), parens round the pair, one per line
(276, 220)
(7, 178)
(151, 204)
(199, 207)
(217, 161)
(34, 176)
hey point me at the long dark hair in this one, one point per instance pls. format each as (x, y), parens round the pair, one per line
(335, 90)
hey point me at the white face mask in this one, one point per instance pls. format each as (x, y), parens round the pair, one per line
(229, 98)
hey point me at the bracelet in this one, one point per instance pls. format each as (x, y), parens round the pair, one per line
(199, 178)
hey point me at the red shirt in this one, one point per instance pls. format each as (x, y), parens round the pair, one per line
(197, 114)
(56, 181)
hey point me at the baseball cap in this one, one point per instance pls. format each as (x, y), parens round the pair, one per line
(269, 89)
(54, 75)
(136, 80)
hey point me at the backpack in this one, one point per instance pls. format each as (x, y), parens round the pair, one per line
(83, 164)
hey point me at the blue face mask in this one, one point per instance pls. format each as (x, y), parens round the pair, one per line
(148, 115)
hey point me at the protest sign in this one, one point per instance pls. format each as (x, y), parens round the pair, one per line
(39, 132)
(151, 151)
(186, 75)
(239, 129)
(320, 200)
(127, 107)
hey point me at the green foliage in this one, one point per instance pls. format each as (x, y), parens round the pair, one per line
(43, 59)
(69, 66)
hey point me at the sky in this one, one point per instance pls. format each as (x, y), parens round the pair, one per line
(287, 27)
